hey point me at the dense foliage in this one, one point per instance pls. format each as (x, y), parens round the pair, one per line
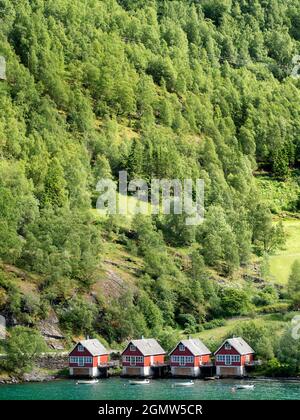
(167, 89)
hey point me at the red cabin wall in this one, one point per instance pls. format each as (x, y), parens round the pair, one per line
(205, 359)
(157, 359)
(232, 351)
(178, 352)
(198, 360)
(86, 353)
(75, 352)
(128, 352)
(104, 359)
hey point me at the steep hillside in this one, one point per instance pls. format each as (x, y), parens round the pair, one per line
(161, 89)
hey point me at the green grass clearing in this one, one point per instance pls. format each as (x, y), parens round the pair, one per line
(281, 262)
(216, 335)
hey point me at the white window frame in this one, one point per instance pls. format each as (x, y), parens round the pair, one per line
(139, 359)
(182, 360)
(181, 347)
(80, 348)
(81, 361)
(132, 347)
(88, 359)
(227, 346)
(220, 357)
(228, 359)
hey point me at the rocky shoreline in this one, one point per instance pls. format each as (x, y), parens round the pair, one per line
(37, 376)
(34, 376)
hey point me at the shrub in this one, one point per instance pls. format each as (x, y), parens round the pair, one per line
(23, 347)
(275, 308)
(214, 324)
(77, 316)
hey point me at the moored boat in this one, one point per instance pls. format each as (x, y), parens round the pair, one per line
(139, 382)
(87, 382)
(190, 383)
(244, 387)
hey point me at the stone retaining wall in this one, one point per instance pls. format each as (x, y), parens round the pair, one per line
(52, 362)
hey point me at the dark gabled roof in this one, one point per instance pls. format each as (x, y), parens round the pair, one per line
(93, 346)
(195, 346)
(147, 346)
(239, 344)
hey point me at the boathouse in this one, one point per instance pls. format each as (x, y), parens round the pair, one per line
(233, 356)
(87, 358)
(187, 358)
(144, 357)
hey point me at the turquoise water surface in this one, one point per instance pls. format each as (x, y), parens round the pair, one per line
(162, 389)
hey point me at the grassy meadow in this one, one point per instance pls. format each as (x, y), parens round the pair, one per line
(282, 260)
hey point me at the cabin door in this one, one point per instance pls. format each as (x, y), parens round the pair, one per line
(182, 360)
(227, 359)
(80, 361)
(132, 361)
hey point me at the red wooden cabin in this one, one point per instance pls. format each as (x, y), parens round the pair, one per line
(188, 356)
(141, 356)
(232, 357)
(87, 357)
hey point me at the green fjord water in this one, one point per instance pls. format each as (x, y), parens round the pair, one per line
(118, 389)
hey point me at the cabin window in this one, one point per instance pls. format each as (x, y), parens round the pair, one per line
(80, 347)
(221, 358)
(189, 359)
(73, 359)
(228, 359)
(88, 360)
(181, 347)
(132, 347)
(227, 346)
(126, 358)
(136, 359)
(235, 358)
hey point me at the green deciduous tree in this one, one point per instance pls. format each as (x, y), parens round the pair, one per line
(23, 346)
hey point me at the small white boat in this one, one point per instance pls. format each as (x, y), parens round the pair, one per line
(140, 382)
(244, 387)
(190, 383)
(87, 382)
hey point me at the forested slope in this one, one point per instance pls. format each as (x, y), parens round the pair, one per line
(165, 89)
